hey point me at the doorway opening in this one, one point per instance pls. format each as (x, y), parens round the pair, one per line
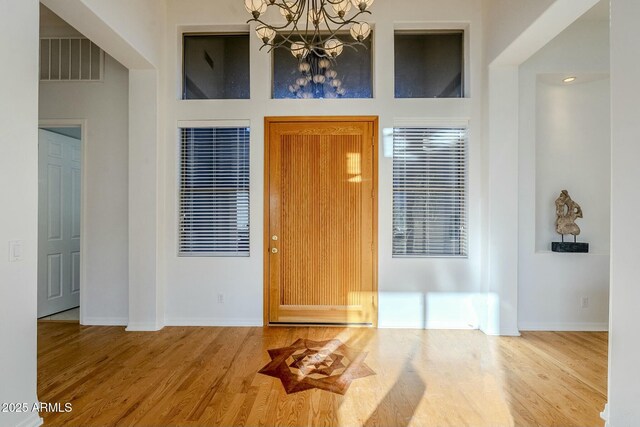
(60, 154)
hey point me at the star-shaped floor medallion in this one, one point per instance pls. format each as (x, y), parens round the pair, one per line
(326, 365)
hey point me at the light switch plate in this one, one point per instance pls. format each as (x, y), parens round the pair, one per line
(15, 250)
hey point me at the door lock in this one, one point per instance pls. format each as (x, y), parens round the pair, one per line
(274, 250)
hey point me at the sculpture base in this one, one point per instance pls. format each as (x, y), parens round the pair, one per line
(570, 247)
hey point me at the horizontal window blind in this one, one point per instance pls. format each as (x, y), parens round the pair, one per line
(214, 191)
(429, 192)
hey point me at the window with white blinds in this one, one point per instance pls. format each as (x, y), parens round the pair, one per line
(429, 192)
(214, 192)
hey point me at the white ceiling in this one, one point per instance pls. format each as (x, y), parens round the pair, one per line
(599, 12)
(52, 25)
(555, 79)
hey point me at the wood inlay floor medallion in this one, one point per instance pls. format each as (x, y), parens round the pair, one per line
(326, 365)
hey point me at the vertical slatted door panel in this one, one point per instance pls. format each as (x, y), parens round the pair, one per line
(430, 192)
(321, 187)
(320, 194)
(301, 250)
(341, 215)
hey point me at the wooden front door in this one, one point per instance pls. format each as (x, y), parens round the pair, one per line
(321, 222)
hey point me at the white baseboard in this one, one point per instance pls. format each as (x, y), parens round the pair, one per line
(33, 420)
(440, 324)
(246, 322)
(605, 415)
(566, 327)
(430, 325)
(504, 332)
(143, 327)
(149, 326)
(105, 321)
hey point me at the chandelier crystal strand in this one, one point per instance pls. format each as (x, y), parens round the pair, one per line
(317, 79)
(311, 25)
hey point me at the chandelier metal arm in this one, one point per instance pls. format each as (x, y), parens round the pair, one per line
(351, 20)
(342, 23)
(261, 22)
(296, 9)
(286, 38)
(321, 30)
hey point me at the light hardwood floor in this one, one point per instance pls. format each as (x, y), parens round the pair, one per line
(208, 377)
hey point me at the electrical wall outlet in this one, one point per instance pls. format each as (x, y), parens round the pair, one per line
(584, 302)
(220, 298)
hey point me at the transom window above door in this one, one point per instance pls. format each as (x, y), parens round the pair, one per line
(347, 76)
(429, 64)
(215, 66)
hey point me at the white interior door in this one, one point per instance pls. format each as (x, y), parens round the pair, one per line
(58, 223)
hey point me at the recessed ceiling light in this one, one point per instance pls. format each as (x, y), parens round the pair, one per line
(569, 79)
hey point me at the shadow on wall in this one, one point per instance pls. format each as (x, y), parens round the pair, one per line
(431, 310)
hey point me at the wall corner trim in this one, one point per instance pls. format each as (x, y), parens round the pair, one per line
(105, 321)
(143, 327)
(33, 420)
(498, 332)
(605, 415)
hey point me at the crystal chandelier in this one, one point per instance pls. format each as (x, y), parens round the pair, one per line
(317, 79)
(311, 25)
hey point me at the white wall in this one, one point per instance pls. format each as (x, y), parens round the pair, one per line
(409, 288)
(516, 30)
(131, 30)
(140, 22)
(624, 346)
(104, 106)
(19, 216)
(190, 285)
(501, 286)
(507, 19)
(565, 144)
(133, 33)
(573, 149)
(146, 305)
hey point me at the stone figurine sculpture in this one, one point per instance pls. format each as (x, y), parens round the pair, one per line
(567, 211)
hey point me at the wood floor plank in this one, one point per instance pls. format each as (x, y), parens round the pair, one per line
(209, 377)
(585, 362)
